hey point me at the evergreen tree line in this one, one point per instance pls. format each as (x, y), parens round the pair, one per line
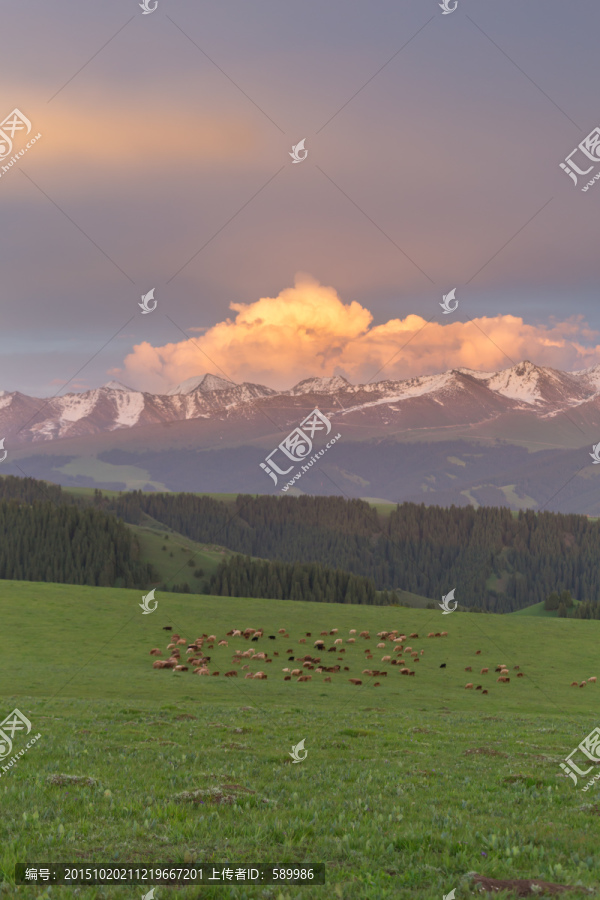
(239, 576)
(496, 560)
(42, 541)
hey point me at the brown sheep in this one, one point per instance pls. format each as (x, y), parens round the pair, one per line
(592, 679)
(468, 669)
(288, 678)
(377, 684)
(405, 671)
(296, 672)
(398, 649)
(355, 681)
(249, 675)
(305, 678)
(223, 644)
(202, 671)
(443, 634)
(324, 634)
(477, 652)
(574, 684)
(478, 688)
(302, 641)
(156, 652)
(583, 684)
(319, 645)
(516, 668)
(333, 631)
(431, 634)
(351, 641)
(171, 646)
(413, 635)
(158, 664)
(520, 675)
(410, 673)
(364, 634)
(232, 674)
(408, 649)
(467, 686)
(309, 634)
(484, 671)
(261, 676)
(181, 669)
(484, 692)
(215, 673)
(503, 679)
(169, 664)
(438, 634)
(281, 631)
(182, 642)
(327, 679)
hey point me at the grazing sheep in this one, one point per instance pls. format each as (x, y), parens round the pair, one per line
(339, 641)
(516, 668)
(407, 649)
(503, 679)
(288, 678)
(573, 683)
(484, 692)
(405, 671)
(355, 681)
(181, 669)
(443, 634)
(301, 641)
(309, 634)
(296, 672)
(171, 646)
(249, 675)
(353, 631)
(333, 631)
(414, 654)
(468, 669)
(431, 634)
(422, 652)
(592, 679)
(385, 658)
(158, 664)
(324, 634)
(410, 673)
(346, 669)
(367, 672)
(222, 644)
(520, 675)
(467, 686)
(167, 628)
(438, 634)
(156, 652)
(413, 635)
(305, 678)
(181, 641)
(398, 649)
(260, 675)
(442, 665)
(364, 634)
(351, 641)
(377, 684)
(381, 646)
(477, 652)
(203, 671)
(255, 638)
(583, 684)
(215, 673)
(236, 633)
(232, 674)
(478, 688)
(281, 631)
(484, 671)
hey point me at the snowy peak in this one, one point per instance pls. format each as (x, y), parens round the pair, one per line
(204, 383)
(117, 386)
(320, 386)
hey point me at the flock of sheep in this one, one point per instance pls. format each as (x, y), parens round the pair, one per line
(388, 640)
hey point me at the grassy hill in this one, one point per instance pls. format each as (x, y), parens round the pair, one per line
(406, 787)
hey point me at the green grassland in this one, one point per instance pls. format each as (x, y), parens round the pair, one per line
(406, 787)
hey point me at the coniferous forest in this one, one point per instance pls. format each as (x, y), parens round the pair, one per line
(495, 560)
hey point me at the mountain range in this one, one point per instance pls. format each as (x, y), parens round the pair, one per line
(461, 436)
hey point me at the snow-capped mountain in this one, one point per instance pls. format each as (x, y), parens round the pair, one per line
(459, 397)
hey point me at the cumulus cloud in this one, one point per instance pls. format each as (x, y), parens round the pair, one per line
(308, 330)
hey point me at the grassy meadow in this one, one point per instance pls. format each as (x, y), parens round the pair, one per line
(406, 787)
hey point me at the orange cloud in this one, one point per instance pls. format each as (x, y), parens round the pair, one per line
(307, 330)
